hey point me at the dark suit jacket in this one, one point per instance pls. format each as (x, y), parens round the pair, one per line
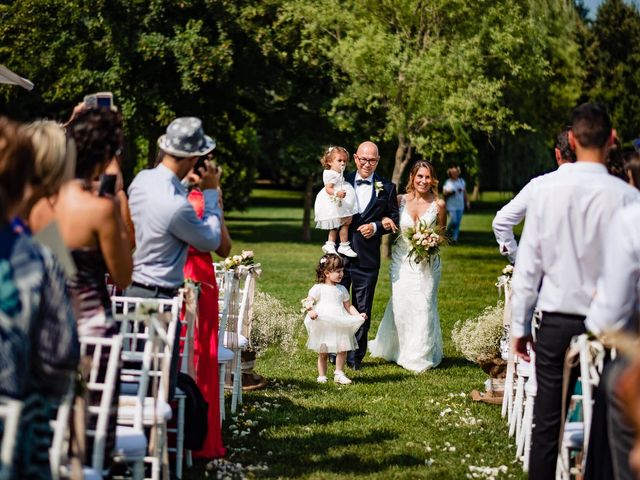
(382, 204)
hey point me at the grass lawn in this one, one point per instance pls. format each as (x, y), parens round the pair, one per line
(390, 423)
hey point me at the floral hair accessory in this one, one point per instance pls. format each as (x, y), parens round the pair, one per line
(323, 260)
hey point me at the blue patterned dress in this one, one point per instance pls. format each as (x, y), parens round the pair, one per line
(35, 317)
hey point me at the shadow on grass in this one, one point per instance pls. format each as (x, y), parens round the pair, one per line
(476, 239)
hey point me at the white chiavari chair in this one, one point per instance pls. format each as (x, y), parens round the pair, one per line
(149, 327)
(589, 355)
(10, 415)
(229, 288)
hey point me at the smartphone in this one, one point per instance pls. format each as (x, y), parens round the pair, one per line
(99, 100)
(200, 163)
(107, 185)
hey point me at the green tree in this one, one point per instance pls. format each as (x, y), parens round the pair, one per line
(614, 73)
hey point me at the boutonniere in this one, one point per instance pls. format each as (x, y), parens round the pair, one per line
(378, 186)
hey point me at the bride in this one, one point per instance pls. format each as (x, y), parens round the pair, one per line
(409, 333)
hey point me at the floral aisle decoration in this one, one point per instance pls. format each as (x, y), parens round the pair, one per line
(274, 324)
(478, 339)
(425, 241)
(244, 259)
(504, 286)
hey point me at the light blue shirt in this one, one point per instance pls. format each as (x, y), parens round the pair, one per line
(166, 224)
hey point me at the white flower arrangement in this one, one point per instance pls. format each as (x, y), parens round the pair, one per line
(478, 338)
(244, 259)
(273, 324)
(377, 185)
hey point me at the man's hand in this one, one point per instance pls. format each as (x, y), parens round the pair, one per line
(211, 174)
(366, 230)
(520, 346)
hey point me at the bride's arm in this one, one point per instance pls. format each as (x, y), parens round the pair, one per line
(442, 215)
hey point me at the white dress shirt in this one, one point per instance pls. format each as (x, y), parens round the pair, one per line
(617, 302)
(513, 213)
(363, 191)
(562, 248)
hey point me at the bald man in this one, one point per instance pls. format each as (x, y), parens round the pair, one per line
(376, 198)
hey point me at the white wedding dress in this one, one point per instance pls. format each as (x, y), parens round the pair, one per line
(409, 333)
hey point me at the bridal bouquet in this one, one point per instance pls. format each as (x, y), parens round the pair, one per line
(425, 241)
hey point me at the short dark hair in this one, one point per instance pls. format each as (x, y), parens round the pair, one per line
(17, 164)
(328, 263)
(591, 125)
(98, 134)
(562, 144)
(632, 167)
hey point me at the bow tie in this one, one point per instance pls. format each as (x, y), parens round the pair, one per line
(360, 182)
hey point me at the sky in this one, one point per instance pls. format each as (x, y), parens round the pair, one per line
(592, 5)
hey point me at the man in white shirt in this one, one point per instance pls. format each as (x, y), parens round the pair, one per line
(559, 260)
(616, 307)
(514, 212)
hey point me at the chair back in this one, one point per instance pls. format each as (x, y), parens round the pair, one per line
(190, 293)
(60, 426)
(10, 410)
(247, 294)
(104, 355)
(148, 327)
(230, 307)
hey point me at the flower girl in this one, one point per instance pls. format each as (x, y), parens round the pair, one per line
(331, 320)
(336, 202)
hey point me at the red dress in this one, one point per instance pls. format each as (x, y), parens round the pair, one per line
(199, 268)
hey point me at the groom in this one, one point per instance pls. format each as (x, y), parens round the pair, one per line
(376, 198)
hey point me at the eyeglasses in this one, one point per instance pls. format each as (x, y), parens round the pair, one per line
(369, 161)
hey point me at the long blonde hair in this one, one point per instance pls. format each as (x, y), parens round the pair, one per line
(55, 155)
(412, 175)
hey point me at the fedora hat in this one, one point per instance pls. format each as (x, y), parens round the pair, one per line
(185, 138)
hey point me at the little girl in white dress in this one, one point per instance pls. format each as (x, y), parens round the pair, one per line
(336, 202)
(331, 320)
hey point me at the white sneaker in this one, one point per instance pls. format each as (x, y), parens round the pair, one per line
(329, 248)
(346, 250)
(321, 379)
(341, 378)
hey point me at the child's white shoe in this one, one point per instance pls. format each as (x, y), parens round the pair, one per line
(346, 250)
(329, 247)
(341, 378)
(321, 379)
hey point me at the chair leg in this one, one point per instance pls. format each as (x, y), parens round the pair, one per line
(138, 470)
(221, 375)
(189, 459)
(237, 384)
(508, 390)
(528, 429)
(180, 437)
(517, 407)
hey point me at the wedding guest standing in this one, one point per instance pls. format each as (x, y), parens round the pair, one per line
(376, 199)
(455, 194)
(514, 212)
(199, 268)
(559, 260)
(35, 365)
(616, 307)
(631, 161)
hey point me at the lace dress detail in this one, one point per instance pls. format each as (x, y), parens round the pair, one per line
(410, 333)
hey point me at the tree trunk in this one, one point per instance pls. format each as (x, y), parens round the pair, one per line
(475, 195)
(404, 152)
(306, 218)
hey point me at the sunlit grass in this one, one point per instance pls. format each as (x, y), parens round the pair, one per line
(389, 423)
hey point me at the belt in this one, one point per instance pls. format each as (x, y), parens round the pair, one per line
(171, 292)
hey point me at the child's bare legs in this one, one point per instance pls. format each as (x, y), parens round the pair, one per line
(339, 376)
(330, 246)
(322, 367)
(345, 246)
